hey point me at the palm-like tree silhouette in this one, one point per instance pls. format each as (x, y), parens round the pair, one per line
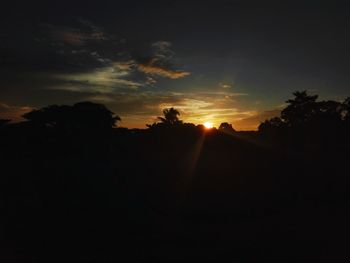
(170, 117)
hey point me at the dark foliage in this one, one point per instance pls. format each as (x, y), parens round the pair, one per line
(309, 125)
(83, 115)
(226, 127)
(169, 120)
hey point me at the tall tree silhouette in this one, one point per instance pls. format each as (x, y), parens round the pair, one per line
(300, 109)
(170, 117)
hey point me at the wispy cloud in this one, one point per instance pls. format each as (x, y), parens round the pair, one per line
(225, 85)
(162, 50)
(112, 70)
(73, 36)
(216, 110)
(102, 80)
(154, 68)
(77, 36)
(114, 75)
(161, 62)
(141, 107)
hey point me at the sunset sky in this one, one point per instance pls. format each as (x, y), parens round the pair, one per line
(216, 61)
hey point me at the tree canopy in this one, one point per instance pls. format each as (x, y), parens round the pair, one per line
(226, 127)
(306, 112)
(82, 115)
(171, 117)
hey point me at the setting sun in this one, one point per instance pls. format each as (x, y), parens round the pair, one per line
(208, 125)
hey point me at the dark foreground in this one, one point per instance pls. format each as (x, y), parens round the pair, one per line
(171, 195)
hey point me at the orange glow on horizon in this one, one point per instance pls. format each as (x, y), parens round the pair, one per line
(208, 125)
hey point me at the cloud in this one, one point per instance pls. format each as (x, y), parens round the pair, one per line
(102, 80)
(225, 86)
(153, 68)
(99, 58)
(161, 62)
(80, 48)
(205, 109)
(104, 71)
(162, 45)
(114, 75)
(13, 113)
(253, 122)
(162, 51)
(140, 108)
(82, 34)
(75, 37)
(151, 81)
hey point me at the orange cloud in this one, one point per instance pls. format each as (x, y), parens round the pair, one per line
(154, 69)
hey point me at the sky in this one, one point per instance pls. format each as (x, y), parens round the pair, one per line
(214, 61)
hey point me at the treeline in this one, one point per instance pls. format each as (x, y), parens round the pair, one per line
(305, 124)
(305, 112)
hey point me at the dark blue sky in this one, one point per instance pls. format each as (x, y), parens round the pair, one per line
(234, 61)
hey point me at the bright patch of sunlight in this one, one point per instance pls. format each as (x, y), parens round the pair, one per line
(208, 125)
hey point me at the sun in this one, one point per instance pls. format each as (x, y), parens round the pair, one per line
(208, 125)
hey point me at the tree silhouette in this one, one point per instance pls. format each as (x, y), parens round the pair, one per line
(170, 117)
(305, 110)
(267, 126)
(51, 116)
(300, 109)
(226, 127)
(306, 121)
(346, 109)
(94, 114)
(328, 113)
(82, 115)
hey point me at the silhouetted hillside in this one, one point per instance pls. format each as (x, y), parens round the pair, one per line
(76, 188)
